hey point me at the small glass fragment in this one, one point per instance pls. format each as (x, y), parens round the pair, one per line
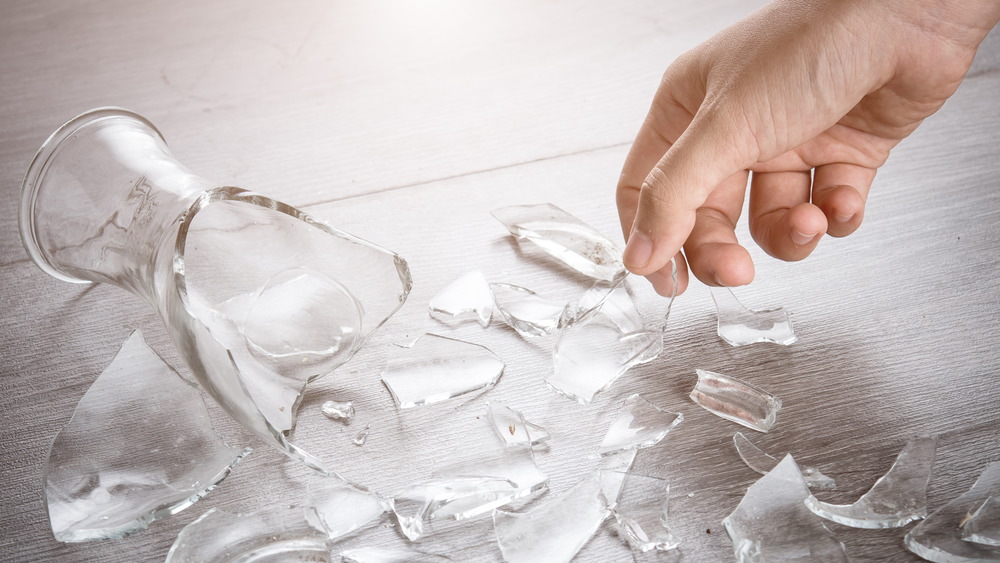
(641, 513)
(468, 297)
(512, 428)
(897, 498)
(939, 537)
(984, 524)
(565, 237)
(361, 437)
(740, 326)
(761, 462)
(391, 555)
(772, 522)
(341, 508)
(639, 424)
(588, 358)
(735, 400)
(437, 368)
(556, 530)
(530, 314)
(139, 447)
(339, 410)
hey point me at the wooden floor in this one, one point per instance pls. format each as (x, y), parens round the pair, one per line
(406, 123)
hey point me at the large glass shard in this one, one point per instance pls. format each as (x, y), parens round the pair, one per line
(639, 424)
(740, 326)
(772, 522)
(897, 498)
(340, 508)
(939, 537)
(556, 530)
(641, 513)
(565, 237)
(468, 297)
(530, 314)
(758, 460)
(984, 524)
(391, 555)
(437, 368)
(139, 447)
(512, 428)
(735, 400)
(588, 358)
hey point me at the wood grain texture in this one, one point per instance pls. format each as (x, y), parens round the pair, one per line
(406, 127)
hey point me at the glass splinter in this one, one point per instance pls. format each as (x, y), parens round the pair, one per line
(468, 297)
(361, 437)
(772, 522)
(512, 428)
(740, 326)
(530, 314)
(939, 537)
(640, 424)
(588, 358)
(391, 555)
(139, 447)
(641, 512)
(437, 368)
(984, 524)
(341, 508)
(338, 410)
(565, 237)
(735, 400)
(761, 462)
(897, 498)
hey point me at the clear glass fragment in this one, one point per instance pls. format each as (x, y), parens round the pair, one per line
(390, 555)
(939, 537)
(361, 437)
(512, 428)
(639, 424)
(772, 522)
(565, 237)
(641, 513)
(530, 314)
(338, 410)
(736, 400)
(589, 357)
(614, 302)
(139, 447)
(740, 326)
(758, 460)
(555, 530)
(340, 508)
(897, 498)
(437, 368)
(468, 297)
(983, 526)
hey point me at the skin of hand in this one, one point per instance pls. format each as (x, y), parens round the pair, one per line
(806, 98)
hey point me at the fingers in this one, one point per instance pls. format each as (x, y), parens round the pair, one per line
(663, 279)
(782, 221)
(713, 251)
(841, 191)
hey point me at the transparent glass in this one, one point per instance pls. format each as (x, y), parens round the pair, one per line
(259, 298)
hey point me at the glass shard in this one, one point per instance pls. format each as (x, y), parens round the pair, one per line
(740, 326)
(641, 513)
(897, 498)
(983, 526)
(772, 522)
(468, 297)
(939, 537)
(614, 302)
(391, 555)
(437, 368)
(361, 437)
(555, 530)
(588, 358)
(639, 424)
(338, 410)
(565, 237)
(735, 400)
(340, 508)
(139, 447)
(512, 428)
(530, 314)
(761, 462)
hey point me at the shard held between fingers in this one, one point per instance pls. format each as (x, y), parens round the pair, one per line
(740, 326)
(735, 400)
(437, 368)
(391, 555)
(467, 298)
(897, 498)
(512, 428)
(983, 526)
(139, 447)
(939, 537)
(772, 522)
(340, 508)
(530, 314)
(758, 460)
(641, 512)
(563, 236)
(639, 424)
(338, 410)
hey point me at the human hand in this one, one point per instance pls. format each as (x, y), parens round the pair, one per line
(809, 98)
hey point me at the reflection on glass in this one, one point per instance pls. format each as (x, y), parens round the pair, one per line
(740, 326)
(639, 424)
(338, 410)
(736, 400)
(468, 297)
(530, 314)
(984, 524)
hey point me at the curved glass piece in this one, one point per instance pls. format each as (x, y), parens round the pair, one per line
(258, 297)
(762, 462)
(736, 400)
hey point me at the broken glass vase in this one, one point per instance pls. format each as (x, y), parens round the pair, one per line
(258, 297)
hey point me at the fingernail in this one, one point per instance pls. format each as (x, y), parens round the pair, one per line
(802, 239)
(638, 250)
(842, 218)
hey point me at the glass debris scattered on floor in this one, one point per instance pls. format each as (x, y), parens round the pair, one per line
(772, 522)
(740, 326)
(530, 314)
(338, 410)
(939, 537)
(511, 426)
(390, 555)
(570, 240)
(736, 400)
(361, 437)
(983, 526)
(761, 462)
(139, 447)
(897, 498)
(641, 512)
(340, 508)
(437, 368)
(639, 424)
(467, 298)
